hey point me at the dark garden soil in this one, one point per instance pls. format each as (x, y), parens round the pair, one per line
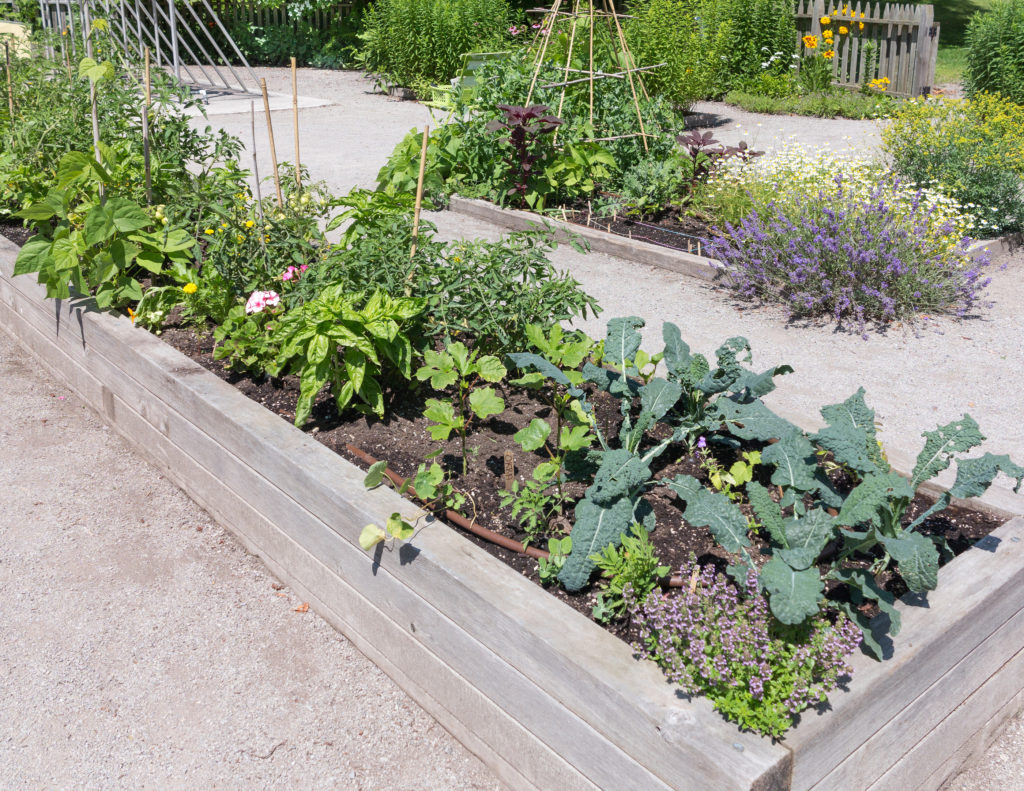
(401, 438)
(16, 232)
(670, 228)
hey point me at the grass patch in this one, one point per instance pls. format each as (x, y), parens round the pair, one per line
(950, 65)
(839, 104)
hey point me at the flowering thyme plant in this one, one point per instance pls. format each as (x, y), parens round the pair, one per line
(860, 258)
(717, 641)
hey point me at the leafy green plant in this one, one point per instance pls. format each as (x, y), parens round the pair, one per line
(972, 149)
(416, 43)
(739, 473)
(461, 369)
(99, 245)
(633, 565)
(995, 51)
(247, 340)
(532, 504)
(549, 568)
(331, 340)
(693, 400)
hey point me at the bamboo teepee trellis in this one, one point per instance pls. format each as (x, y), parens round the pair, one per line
(586, 13)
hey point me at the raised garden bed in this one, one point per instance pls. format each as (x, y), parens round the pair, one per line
(544, 696)
(685, 257)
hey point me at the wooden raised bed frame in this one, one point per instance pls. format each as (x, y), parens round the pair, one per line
(544, 696)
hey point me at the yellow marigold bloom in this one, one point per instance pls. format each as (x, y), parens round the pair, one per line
(861, 14)
(827, 35)
(861, 25)
(826, 20)
(828, 54)
(811, 42)
(190, 288)
(209, 231)
(843, 30)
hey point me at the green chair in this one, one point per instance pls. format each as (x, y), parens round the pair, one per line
(464, 85)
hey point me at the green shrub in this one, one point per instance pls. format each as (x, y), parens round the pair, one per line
(417, 43)
(331, 47)
(995, 51)
(835, 104)
(973, 149)
(709, 46)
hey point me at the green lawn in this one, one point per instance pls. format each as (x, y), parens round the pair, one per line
(953, 16)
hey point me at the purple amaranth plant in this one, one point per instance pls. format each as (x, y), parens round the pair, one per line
(712, 639)
(857, 259)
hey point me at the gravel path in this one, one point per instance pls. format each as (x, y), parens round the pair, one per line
(140, 651)
(142, 647)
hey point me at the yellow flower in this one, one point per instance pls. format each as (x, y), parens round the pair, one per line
(861, 25)
(828, 54)
(249, 223)
(826, 20)
(223, 225)
(811, 42)
(861, 14)
(266, 238)
(190, 288)
(843, 30)
(209, 231)
(827, 35)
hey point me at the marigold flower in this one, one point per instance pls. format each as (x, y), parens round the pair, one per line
(843, 30)
(828, 54)
(811, 42)
(860, 25)
(190, 288)
(826, 20)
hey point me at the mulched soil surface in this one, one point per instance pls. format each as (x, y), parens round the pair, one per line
(670, 228)
(16, 232)
(402, 439)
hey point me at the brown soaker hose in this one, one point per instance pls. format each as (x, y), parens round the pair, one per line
(454, 516)
(458, 519)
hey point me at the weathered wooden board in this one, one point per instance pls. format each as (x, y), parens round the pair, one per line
(697, 266)
(978, 592)
(884, 753)
(627, 696)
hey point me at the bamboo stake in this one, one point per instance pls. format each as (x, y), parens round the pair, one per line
(419, 194)
(543, 51)
(270, 134)
(591, 64)
(255, 165)
(295, 119)
(145, 128)
(10, 86)
(87, 31)
(568, 63)
(632, 87)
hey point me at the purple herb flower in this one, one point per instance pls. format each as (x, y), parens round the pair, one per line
(854, 260)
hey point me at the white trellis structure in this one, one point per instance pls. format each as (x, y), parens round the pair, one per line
(180, 38)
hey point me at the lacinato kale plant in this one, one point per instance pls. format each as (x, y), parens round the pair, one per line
(858, 260)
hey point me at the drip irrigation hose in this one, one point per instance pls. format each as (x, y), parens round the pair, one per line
(471, 526)
(454, 516)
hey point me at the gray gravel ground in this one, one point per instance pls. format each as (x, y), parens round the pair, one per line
(143, 648)
(150, 650)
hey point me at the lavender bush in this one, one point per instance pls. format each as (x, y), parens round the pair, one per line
(854, 258)
(711, 640)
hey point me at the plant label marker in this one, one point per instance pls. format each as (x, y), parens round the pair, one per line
(295, 120)
(510, 470)
(270, 134)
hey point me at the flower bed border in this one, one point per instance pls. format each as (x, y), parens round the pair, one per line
(545, 697)
(641, 252)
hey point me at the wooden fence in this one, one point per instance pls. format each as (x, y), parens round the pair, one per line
(899, 42)
(247, 11)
